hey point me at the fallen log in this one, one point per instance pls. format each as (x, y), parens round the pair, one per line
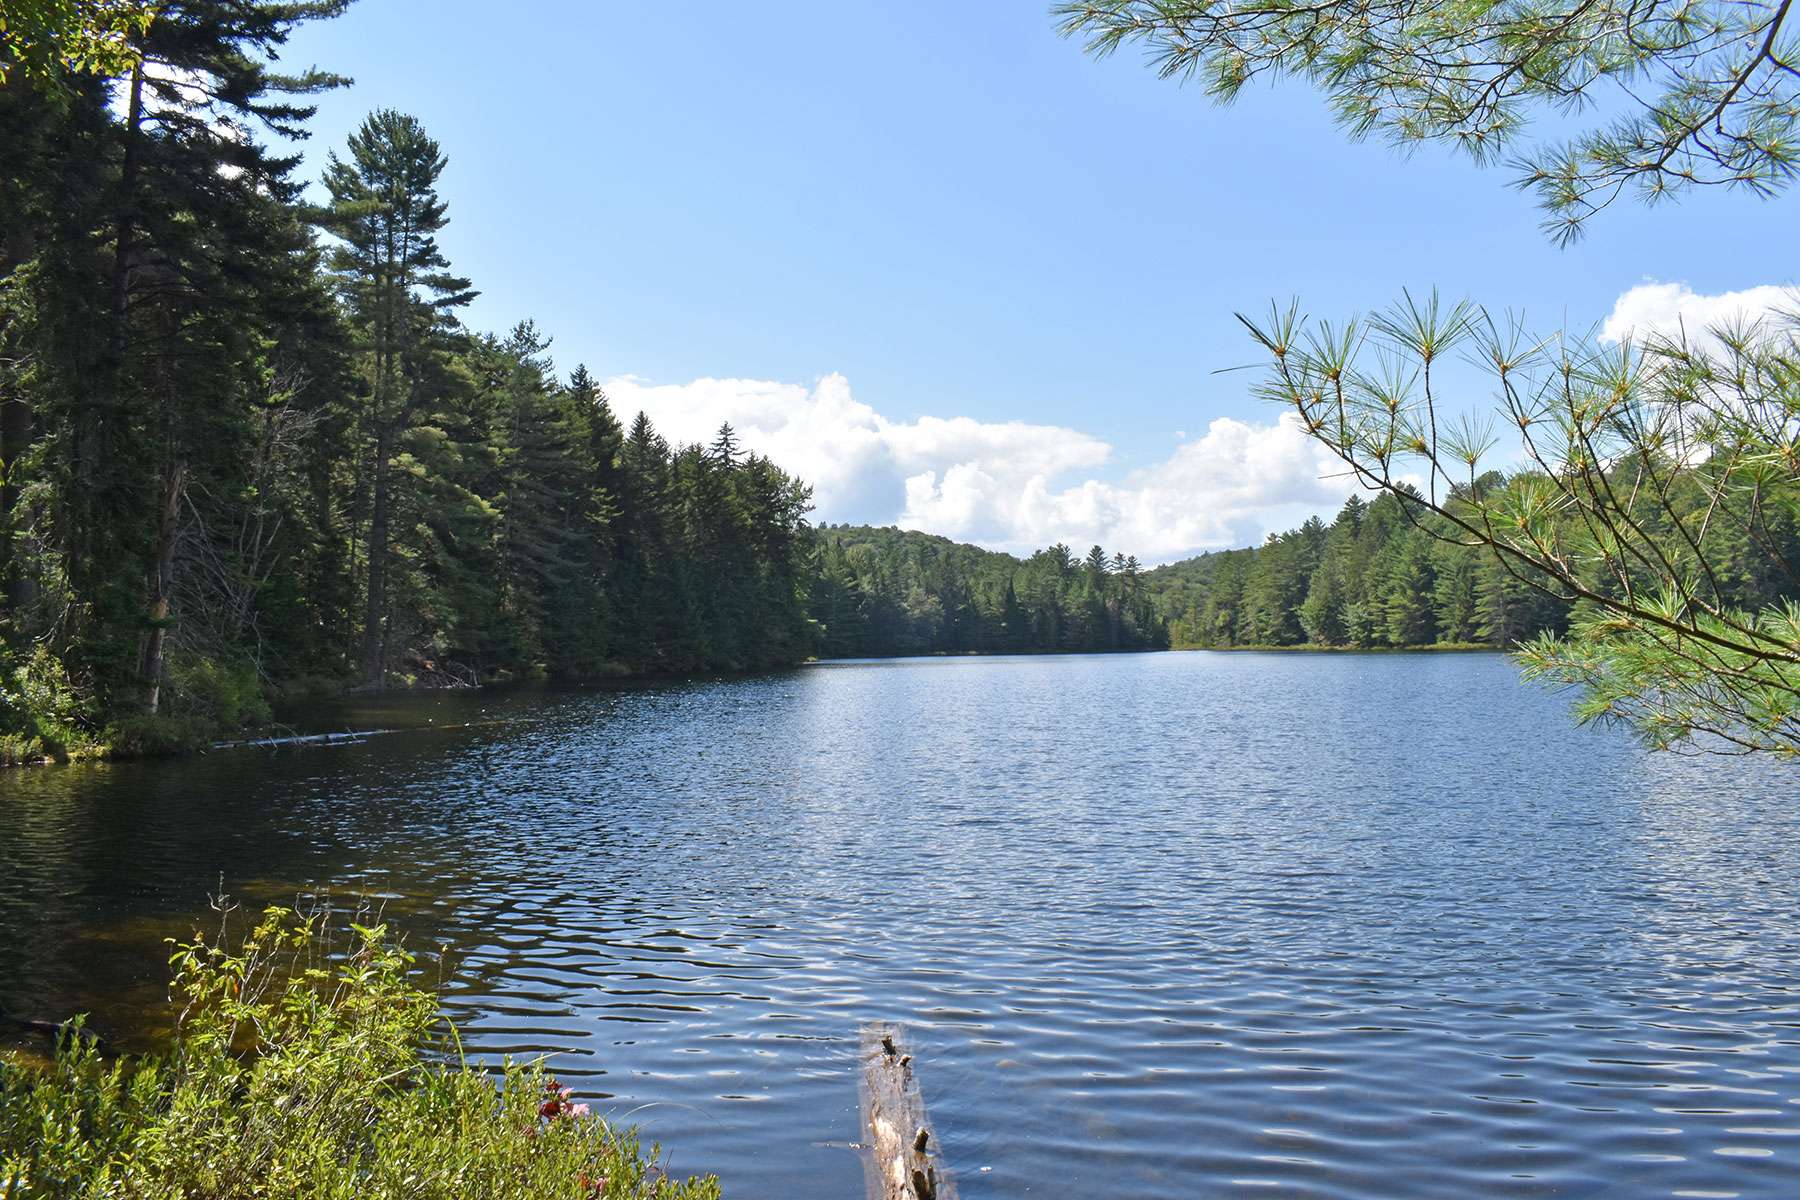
(902, 1162)
(348, 738)
(352, 737)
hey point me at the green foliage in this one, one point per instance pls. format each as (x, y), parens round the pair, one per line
(142, 735)
(299, 1071)
(240, 459)
(1661, 499)
(40, 712)
(1376, 577)
(890, 591)
(1708, 89)
(44, 41)
(1670, 686)
(222, 694)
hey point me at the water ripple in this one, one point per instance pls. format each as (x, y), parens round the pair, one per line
(1164, 926)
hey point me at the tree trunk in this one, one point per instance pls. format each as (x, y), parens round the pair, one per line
(128, 177)
(375, 613)
(15, 438)
(92, 448)
(162, 579)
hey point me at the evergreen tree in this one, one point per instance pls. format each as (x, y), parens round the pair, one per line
(232, 463)
(1455, 593)
(148, 259)
(1410, 618)
(397, 285)
(544, 509)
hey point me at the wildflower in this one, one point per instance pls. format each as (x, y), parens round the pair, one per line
(556, 1102)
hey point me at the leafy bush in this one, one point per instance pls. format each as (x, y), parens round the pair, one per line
(41, 711)
(227, 694)
(147, 735)
(295, 1072)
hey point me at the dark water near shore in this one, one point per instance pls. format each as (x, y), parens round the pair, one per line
(1162, 926)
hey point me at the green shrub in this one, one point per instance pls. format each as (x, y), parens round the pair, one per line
(229, 695)
(294, 1072)
(202, 699)
(41, 712)
(146, 735)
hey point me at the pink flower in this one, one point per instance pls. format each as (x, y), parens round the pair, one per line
(580, 1110)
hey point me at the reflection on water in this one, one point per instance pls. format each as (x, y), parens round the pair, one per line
(1163, 926)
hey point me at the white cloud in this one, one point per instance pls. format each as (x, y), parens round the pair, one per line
(1669, 309)
(1018, 486)
(1228, 487)
(1009, 485)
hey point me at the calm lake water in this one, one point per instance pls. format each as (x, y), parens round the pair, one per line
(1178, 925)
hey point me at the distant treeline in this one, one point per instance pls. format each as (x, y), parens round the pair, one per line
(1378, 576)
(891, 591)
(1370, 578)
(248, 447)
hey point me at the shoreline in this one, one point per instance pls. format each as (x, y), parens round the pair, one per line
(272, 733)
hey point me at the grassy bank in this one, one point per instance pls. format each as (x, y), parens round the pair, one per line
(302, 1070)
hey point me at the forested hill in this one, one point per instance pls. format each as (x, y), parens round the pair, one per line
(1369, 578)
(248, 446)
(883, 591)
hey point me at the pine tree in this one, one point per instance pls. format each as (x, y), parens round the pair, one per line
(1455, 596)
(386, 211)
(1411, 620)
(542, 498)
(149, 258)
(1322, 613)
(588, 620)
(724, 450)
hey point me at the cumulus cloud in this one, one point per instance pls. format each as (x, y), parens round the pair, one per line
(1011, 485)
(1669, 309)
(1018, 486)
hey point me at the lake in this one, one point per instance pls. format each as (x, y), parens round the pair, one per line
(1173, 925)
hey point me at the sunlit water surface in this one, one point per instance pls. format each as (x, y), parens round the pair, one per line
(1162, 926)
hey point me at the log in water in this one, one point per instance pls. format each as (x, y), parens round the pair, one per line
(349, 737)
(903, 1162)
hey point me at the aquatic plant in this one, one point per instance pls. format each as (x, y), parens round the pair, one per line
(297, 1068)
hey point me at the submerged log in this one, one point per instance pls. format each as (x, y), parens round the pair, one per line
(351, 737)
(348, 738)
(902, 1161)
(52, 1032)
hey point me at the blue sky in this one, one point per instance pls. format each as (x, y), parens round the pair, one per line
(883, 235)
